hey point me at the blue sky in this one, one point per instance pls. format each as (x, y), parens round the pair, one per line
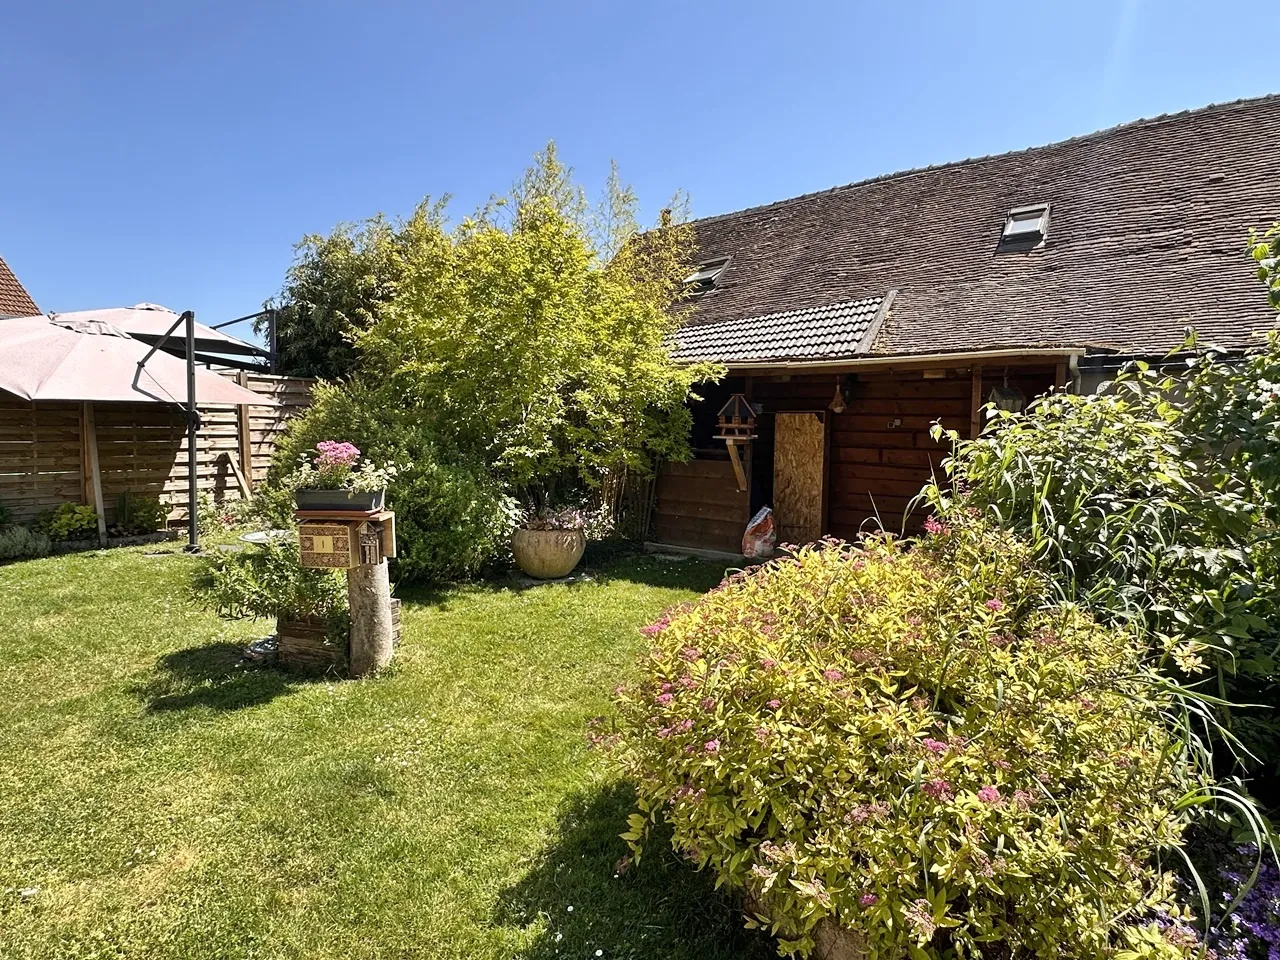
(175, 152)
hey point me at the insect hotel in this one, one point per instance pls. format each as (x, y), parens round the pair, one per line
(361, 543)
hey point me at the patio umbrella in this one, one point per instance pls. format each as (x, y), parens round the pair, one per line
(60, 357)
(149, 322)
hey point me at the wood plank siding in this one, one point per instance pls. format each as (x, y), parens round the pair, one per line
(880, 456)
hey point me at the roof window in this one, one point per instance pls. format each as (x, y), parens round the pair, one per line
(704, 278)
(1025, 228)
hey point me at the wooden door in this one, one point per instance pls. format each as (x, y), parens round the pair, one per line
(800, 444)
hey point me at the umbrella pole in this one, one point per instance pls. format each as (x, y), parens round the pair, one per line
(193, 424)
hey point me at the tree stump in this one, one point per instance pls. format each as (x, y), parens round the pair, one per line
(372, 636)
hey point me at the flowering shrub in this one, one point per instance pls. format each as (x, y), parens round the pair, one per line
(570, 518)
(334, 468)
(917, 746)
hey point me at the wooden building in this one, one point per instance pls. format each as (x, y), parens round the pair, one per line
(852, 319)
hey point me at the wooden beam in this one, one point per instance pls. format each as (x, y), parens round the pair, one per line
(1060, 375)
(737, 465)
(245, 439)
(90, 465)
(975, 403)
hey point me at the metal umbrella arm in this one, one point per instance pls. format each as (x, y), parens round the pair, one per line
(187, 317)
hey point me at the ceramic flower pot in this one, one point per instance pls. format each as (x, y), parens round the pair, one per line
(548, 554)
(339, 500)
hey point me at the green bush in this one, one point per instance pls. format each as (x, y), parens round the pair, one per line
(917, 745)
(69, 521)
(141, 514)
(1157, 501)
(452, 517)
(19, 543)
(269, 581)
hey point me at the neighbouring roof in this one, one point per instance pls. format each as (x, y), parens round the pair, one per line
(1146, 236)
(14, 299)
(834, 331)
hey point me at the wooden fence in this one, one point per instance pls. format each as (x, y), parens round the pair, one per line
(45, 456)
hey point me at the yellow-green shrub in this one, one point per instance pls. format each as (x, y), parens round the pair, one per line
(916, 744)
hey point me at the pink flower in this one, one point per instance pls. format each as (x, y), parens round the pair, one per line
(664, 733)
(774, 704)
(762, 734)
(666, 687)
(690, 653)
(768, 664)
(664, 699)
(868, 900)
(708, 704)
(832, 675)
(938, 789)
(934, 526)
(989, 794)
(934, 746)
(711, 746)
(994, 604)
(684, 726)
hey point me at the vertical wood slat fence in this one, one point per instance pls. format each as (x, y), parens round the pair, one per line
(45, 457)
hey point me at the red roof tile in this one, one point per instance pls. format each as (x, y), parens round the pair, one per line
(14, 299)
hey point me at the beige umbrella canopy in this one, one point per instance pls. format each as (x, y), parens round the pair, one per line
(61, 357)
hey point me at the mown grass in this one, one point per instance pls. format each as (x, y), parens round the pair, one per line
(157, 800)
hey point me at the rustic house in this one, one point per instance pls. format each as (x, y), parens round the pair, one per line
(851, 319)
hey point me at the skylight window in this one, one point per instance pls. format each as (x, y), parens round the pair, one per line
(1025, 228)
(704, 278)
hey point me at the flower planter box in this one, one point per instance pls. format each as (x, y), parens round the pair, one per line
(303, 646)
(548, 554)
(340, 500)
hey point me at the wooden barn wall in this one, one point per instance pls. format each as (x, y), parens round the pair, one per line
(699, 505)
(141, 447)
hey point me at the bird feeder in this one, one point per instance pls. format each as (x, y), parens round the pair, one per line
(1005, 397)
(737, 427)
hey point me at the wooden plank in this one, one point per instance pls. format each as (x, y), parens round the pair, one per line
(95, 472)
(799, 475)
(975, 403)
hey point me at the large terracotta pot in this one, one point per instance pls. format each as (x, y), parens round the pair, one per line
(548, 554)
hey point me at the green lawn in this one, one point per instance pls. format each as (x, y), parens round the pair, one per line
(157, 800)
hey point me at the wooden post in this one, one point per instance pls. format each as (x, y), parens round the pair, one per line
(369, 597)
(244, 437)
(1060, 375)
(91, 471)
(975, 404)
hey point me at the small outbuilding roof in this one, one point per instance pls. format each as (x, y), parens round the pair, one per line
(835, 331)
(14, 299)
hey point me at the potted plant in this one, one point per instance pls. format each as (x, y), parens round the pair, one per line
(333, 481)
(550, 544)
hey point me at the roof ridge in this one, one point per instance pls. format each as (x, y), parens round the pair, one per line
(1138, 123)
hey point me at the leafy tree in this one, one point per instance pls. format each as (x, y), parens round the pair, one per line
(533, 335)
(1265, 248)
(337, 286)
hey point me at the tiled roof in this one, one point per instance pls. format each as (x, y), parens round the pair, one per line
(831, 332)
(14, 299)
(1147, 235)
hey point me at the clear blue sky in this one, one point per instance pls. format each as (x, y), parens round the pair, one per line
(176, 151)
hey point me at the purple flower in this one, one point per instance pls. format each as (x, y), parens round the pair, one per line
(868, 900)
(935, 527)
(690, 653)
(938, 789)
(711, 746)
(684, 726)
(664, 733)
(762, 734)
(708, 704)
(664, 699)
(989, 794)
(832, 675)
(774, 704)
(934, 746)
(768, 664)
(994, 604)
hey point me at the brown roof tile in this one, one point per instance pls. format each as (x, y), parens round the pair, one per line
(835, 331)
(1147, 236)
(14, 299)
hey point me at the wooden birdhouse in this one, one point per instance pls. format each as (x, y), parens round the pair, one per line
(736, 428)
(737, 420)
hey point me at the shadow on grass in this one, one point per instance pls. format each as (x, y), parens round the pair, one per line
(661, 908)
(213, 676)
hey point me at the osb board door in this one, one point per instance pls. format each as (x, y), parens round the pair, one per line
(799, 476)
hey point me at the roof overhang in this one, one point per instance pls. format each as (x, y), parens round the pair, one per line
(1007, 355)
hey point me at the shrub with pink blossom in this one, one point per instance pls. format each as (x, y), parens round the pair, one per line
(919, 746)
